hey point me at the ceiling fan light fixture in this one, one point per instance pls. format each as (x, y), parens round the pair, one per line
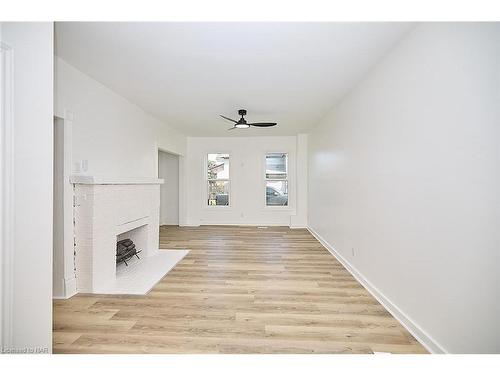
(243, 124)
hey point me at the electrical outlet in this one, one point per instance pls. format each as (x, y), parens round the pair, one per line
(242, 215)
(353, 253)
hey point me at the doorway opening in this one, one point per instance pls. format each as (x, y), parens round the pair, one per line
(63, 270)
(58, 213)
(168, 170)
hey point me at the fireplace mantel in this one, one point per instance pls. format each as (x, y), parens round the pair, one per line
(95, 180)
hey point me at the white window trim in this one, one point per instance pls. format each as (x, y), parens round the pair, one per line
(288, 207)
(205, 198)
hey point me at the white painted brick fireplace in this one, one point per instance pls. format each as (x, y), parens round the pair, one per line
(107, 211)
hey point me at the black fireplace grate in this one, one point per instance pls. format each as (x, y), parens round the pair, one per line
(125, 249)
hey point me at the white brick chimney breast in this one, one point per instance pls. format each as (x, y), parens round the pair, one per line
(106, 211)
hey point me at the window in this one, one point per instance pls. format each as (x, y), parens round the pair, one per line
(218, 179)
(276, 179)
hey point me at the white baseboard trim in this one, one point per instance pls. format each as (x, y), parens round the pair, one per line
(423, 337)
(69, 289)
(246, 224)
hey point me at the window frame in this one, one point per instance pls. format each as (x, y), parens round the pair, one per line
(207, 181)
(288, 207)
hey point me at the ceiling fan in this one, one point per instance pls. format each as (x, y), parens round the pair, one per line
(243, 124)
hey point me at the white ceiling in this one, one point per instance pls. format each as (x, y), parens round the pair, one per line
(186, 74)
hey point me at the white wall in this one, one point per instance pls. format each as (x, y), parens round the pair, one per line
(300, 219)
(247, 180)
(32, 45)
(116, 137)
(168, 169)
(405, 171)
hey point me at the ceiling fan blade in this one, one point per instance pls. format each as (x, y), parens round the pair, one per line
(234, 127)
(263, 124)
(229, 119)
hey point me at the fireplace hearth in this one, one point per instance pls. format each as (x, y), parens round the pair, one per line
(125, 249)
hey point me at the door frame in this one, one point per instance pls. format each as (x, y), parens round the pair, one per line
(6, 193)
(69, 286)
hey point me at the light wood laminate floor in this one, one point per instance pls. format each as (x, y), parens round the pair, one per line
(239, 290)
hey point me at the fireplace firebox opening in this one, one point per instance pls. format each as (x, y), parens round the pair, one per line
(126, 249)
